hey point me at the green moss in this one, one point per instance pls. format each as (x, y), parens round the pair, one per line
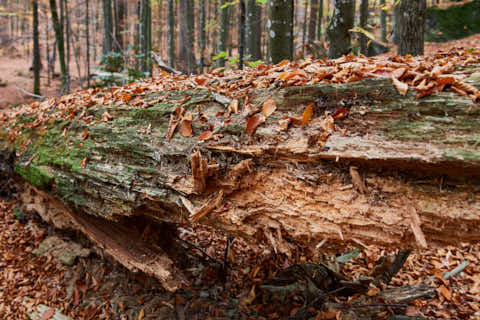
(35, 175)
(454, 22)
(462, 154)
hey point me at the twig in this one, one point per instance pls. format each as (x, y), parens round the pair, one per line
(163, 65)
(30, 94)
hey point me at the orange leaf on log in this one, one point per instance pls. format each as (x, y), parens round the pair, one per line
(307, 114)
(254, 121)
(269, 107)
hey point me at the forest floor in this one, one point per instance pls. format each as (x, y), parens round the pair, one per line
(95, 287)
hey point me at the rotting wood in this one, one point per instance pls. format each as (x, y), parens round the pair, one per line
(282, 187)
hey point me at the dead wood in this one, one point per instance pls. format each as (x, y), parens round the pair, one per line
(390, 169)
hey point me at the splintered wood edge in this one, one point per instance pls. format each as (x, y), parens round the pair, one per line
(121, 243)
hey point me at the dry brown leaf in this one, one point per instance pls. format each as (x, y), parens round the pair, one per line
(401, 87)
(83, 163)
(284, 123)
(253, 122)
(475, 289)
(290, 74)
(328, 125)
(249, 299)
(172, 125)
(307, 114)
(106, 116)
(85, 134)
(234, 106)
(206, 135)
(141, 315)
(186, 128)
(373, 291)
(445, 292)
(269, 107)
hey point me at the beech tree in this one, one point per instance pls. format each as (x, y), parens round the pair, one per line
(223, 33)
(337, 31)
(253, 30)
(280, 30)
(60, 45)
(36, 50)
(107, 27)
(411, 26)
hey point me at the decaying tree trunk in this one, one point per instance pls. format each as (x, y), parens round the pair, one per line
(397, 171)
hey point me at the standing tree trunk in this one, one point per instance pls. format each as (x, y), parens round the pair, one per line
(395, 29)
(222, 34)
(67, 30)
(120, 23)
(253, 30)
(363, 39)
(145, 36)
(337, 31)
(171, 33)
(280, 30)
(241, 36)
(304, 27)
(312, 26)
(36, 50)
(319, 21)
(202, 37)
(190, 37)
(383, 22)
(107, 27)
(60, 46)
(87, 40)
(411, 26)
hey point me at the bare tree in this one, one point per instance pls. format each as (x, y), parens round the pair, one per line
(280, 30)
(337, 31)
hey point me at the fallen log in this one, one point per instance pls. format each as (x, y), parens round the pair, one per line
(321, 163)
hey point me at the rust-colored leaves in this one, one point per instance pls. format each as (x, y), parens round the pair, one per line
(401, 87)
(269, 107)
(253, 122)
(307, 114)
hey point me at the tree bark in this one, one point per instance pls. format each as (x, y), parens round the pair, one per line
(363, 39)
(280, 30)
(320, 19)
(337, 31)
(241, 35)
(171, 33)
(312, 26)
(383, 22)
(107, 27)
(145, 36)
(393, 170)
(60, 45)
(222, 34)
(411, 26)
(202, 37)
(36, 50)
(87, 40)
(253, 31)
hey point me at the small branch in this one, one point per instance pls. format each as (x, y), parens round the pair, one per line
(30, 94)
(163, 65)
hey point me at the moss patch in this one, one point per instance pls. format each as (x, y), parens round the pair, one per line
(453, 23)
(35, 175)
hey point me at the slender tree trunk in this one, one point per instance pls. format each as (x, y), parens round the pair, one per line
(36, 50)
(47, 47)
(144, 36)
(312, 26)
(337, 31)
(120, 23)
(67, 30)
(280, 30)
(87, 40)
(320, 19)
(222, 34)
(191, 37)
(107, 27)
(363, 39)
(241, 36)
(171, 33)
(60, 46)
(253, 30)
(383, 22)
(202, 39)
(304, 26)
(95, 30)
(396, 21)
(411, 26)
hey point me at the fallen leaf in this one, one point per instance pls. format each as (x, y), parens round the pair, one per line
(357, 180)
(253, 122)
(83, 163)
(373, 291)
(328, 125)
(475, 289)
(141, 315)
(47, 314)
(307, 114)
(401, 87)
(234, 106)
(85, 134)
(106, 116)
(340, 113)
(445, 292)
(249, 299)
(284, 123)
(269, 107)
(186, 128)
(172, 125)
(290, 74)
(206, 135)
